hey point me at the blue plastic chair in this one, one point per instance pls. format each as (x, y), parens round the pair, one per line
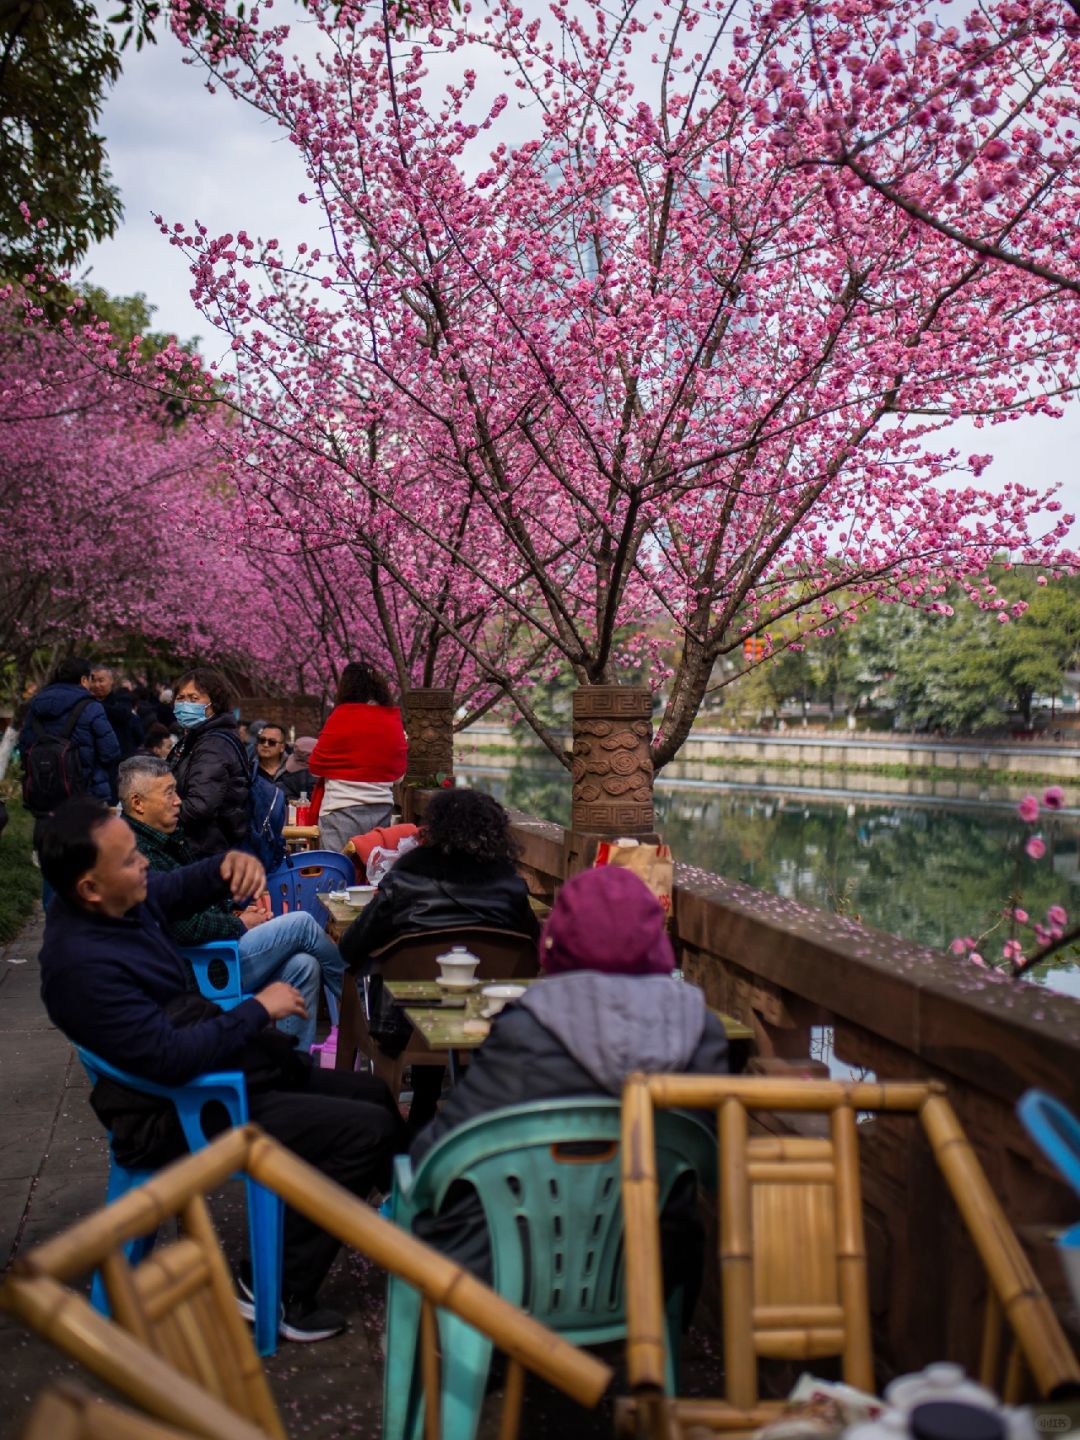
(264, 1208)
(281, 883)
(217, 971)
(318, 870)
(1056, 1131)
(554, 1218)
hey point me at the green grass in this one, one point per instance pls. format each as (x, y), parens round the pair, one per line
(20, 880)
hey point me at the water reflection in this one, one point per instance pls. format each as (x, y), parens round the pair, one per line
(924, 869)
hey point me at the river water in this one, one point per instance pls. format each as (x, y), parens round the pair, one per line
(925, 868)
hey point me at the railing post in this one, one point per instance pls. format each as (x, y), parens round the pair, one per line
(429, 724)
(611, 769)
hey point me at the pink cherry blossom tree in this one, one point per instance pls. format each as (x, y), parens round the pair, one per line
(110, 515)
(966, 122)
(354, 586)
(1024, 942)
(682, 366)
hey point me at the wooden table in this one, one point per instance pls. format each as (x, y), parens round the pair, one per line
(444, 1030)
(341, 913)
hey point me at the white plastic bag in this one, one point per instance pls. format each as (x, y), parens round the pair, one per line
(381, 860)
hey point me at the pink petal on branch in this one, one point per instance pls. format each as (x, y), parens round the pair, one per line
(1028, 809)
(1035, 848)
(1054, 797)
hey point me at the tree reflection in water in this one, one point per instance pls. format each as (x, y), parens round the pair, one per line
(918, 869)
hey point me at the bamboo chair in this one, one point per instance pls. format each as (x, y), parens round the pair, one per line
(68, 1412)
(177, 1346)
(793, 1253)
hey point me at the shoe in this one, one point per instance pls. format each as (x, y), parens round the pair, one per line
(245, 1300)
(304, 1320)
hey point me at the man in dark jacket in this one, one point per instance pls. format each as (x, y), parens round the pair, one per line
(111, 978)
(120, 713)
(93, 736)
(119, 704)
(608, 1007)
(292, 947)
(270, 750)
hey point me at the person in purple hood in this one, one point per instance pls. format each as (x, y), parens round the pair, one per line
(608, 1006)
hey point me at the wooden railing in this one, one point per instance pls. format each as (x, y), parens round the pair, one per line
(894, 1011)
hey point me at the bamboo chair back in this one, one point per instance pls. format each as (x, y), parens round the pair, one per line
(792, 1248)
(67, 1412)
(176, 1345)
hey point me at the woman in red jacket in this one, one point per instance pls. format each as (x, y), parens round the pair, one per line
(359, 755)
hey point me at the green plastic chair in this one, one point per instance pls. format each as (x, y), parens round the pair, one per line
(547, 1176)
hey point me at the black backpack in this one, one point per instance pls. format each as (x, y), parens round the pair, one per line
(52, 767)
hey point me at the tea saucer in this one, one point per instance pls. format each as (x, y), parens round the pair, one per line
(456, 986)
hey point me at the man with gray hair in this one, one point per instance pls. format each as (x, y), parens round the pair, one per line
(292, 947)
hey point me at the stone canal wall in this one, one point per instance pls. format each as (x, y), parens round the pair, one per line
(895, 1011)
(1041, 757)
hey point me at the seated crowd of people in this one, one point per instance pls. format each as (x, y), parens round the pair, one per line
(173, 869)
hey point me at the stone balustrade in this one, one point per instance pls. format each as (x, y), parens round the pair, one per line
(893, 1010)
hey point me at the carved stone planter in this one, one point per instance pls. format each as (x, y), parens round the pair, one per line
(612, 764)
(429, 724)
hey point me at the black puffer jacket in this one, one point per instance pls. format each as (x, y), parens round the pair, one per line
(214, 782)
(427, 890)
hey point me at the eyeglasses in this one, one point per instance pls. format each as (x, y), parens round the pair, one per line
(268, 741)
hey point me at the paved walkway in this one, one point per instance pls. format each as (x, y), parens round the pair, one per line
(53, 1167)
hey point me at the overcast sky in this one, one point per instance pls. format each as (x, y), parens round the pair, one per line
(179, 151)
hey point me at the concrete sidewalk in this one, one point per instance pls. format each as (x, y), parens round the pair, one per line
(53, 1156)
(53, 1169)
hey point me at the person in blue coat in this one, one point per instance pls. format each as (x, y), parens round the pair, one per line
(98, 747)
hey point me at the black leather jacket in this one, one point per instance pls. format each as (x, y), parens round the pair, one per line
(214, 782)
(427, 890)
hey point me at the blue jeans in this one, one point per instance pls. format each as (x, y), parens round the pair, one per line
(292, 948)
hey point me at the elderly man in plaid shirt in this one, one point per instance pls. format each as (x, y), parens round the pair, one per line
(286, 947)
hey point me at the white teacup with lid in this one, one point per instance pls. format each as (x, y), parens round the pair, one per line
(457, 968)
(940, 1381)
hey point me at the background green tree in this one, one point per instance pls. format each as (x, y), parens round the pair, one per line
(58, 59)
(967, 671)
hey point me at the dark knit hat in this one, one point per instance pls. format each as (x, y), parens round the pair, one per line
(303, 745)
(608, 920)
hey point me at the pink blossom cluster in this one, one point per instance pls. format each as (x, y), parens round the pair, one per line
(673, 354)
(111, 514)
(1046, 933)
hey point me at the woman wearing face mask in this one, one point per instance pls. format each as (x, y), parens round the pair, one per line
(210, 764)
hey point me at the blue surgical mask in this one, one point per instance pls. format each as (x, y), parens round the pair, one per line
(188, 714)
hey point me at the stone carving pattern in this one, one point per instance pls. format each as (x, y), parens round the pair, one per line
(429, 720)
(611, 766)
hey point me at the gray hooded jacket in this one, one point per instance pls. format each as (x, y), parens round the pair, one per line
(582, 1034)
